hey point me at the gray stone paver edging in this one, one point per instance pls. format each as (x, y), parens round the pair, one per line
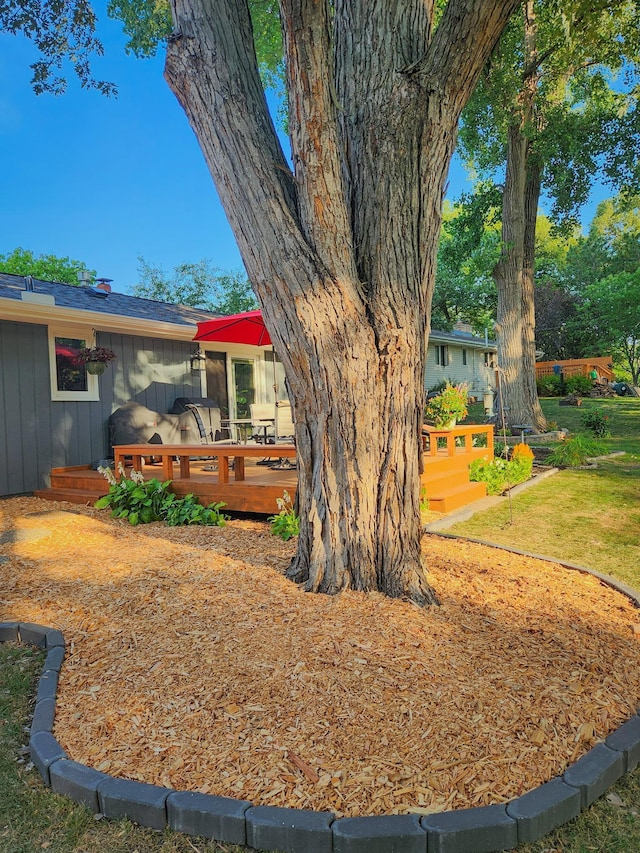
(477, 830)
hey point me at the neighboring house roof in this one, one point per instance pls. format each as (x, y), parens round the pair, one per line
(47, 301)
(461, 339)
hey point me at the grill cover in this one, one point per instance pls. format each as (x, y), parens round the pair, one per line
(135, 424)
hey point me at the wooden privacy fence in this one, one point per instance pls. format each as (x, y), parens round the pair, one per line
(578, 367)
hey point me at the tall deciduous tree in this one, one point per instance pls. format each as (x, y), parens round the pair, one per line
(200, 285)
(546, 110)
(341, 248)
(45, 267)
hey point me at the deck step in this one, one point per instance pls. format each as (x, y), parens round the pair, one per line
(74, 496)
(444, 480)
(95, 486)
(450, 499)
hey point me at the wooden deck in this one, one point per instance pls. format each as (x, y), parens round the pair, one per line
(256, 493)
(445, 479)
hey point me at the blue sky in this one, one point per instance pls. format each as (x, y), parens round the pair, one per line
(107, 180)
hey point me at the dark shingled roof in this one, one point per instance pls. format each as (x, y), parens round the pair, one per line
(90, 299)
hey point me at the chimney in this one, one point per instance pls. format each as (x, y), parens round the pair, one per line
(104, 284)
(461, 328)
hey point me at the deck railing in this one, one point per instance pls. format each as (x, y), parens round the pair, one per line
(577, 367)
(460, 439)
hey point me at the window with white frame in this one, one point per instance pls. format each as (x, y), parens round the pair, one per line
(442, 355)
(70, 379)
(464, 357)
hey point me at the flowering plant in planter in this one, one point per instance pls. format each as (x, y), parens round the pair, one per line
(100, 354)
(449, 406)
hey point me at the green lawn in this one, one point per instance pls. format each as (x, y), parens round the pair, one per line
(590, 517)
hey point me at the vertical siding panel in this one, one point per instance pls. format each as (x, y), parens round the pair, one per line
(42, 388)
(25, 409)
(11, 448)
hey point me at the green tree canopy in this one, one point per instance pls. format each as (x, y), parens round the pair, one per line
(148, 25)
(552, 110)
(612, 245)
(611, 310)
(200, 285)
(45, 267)
(469, 249)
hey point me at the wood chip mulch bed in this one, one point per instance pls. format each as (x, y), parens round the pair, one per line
(192, 663)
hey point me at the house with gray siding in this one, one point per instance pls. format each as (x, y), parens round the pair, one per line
(45, 424)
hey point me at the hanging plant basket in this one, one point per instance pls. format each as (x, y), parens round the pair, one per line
(96, 359)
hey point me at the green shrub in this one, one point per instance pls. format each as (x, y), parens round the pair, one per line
(501, 474)
(439, 386)
(549, 386)
(287, 522)
(597, 422)
(578, 385)
(575, 451)
(142, 501)
(188, 510)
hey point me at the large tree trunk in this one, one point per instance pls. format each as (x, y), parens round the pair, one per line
(531, 199)
(341, 250)
(514, 272)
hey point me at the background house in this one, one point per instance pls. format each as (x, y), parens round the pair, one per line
(47, 421)
(460, 356)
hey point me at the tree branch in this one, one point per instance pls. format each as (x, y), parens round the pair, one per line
(213, 71)
(451, 72)
(314, 132)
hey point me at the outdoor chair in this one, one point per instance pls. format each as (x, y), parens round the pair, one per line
(263, 416)
(285, 429)
(284, 433)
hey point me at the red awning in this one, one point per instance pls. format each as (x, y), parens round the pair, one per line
(246, 328)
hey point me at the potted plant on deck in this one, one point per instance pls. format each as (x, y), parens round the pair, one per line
(96, 359)
(449, 406)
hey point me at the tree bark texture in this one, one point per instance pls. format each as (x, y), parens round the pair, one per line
(340, 246)
(514, 272)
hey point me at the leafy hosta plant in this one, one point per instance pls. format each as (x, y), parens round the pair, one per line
(142, 501)
(188, 510)
(138, 500)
